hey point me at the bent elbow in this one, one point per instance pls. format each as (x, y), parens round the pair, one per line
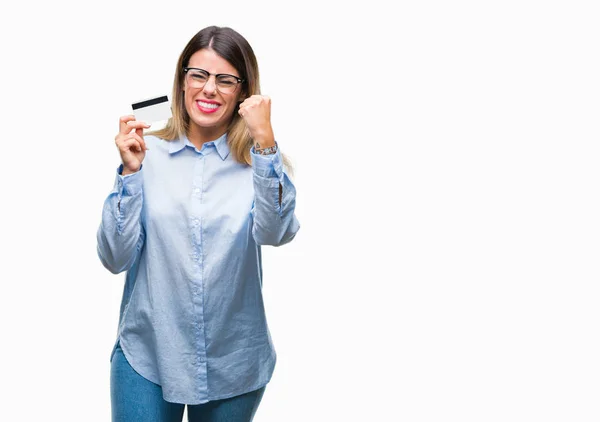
(274, 237)
(113, 265)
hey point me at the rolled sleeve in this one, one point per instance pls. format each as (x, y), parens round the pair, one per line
(267, 165)
(130, 184)
(274, 201)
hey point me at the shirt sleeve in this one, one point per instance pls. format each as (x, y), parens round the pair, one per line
(274, 221)
(121, 235)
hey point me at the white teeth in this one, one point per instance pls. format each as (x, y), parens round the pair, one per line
(207, 105)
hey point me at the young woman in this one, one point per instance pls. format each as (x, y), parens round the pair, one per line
(191, 206)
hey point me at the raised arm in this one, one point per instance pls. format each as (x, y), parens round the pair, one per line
(274, 221)
(120, 235)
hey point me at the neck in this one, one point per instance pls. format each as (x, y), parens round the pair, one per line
(198, 137)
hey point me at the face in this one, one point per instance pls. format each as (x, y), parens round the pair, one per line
(209, 109)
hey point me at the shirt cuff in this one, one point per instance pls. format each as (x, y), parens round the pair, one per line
(130, 184)
(267, 165)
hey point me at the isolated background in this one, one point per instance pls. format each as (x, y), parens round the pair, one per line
(446, 161)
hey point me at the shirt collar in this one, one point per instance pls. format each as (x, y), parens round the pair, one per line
(220, 144)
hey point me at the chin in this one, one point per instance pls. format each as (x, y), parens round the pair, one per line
(203, 120)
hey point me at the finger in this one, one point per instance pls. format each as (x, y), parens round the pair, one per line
(120, 138)
(247, 106)
(140, 134)
(130, 144)
(134, 124)
(123, 128)
(140, 139)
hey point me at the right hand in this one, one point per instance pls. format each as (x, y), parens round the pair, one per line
(131, 144)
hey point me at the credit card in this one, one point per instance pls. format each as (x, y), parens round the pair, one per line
(152, 109)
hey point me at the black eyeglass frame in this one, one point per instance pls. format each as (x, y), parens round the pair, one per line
(239, 80)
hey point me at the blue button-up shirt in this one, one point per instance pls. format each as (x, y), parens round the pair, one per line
(188, 229)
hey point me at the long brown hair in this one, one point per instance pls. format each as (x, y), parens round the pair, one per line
(234, 48)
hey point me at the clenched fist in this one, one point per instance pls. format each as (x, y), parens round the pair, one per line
(256, 112)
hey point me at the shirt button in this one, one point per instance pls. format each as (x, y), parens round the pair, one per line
(197, 190)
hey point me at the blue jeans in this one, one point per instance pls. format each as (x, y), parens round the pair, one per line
(135, 399)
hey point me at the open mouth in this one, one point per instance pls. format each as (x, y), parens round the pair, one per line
(207, 107)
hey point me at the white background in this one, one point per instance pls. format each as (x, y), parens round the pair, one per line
(447, 173)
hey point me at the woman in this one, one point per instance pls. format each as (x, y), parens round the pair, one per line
(191, 206)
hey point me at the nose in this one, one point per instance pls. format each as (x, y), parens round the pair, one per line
(210, 87)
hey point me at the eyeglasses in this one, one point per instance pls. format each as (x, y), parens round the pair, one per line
(197, 78)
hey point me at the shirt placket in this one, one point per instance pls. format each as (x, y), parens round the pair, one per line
(198, 280)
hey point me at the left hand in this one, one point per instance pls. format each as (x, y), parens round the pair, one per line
(256, 112)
